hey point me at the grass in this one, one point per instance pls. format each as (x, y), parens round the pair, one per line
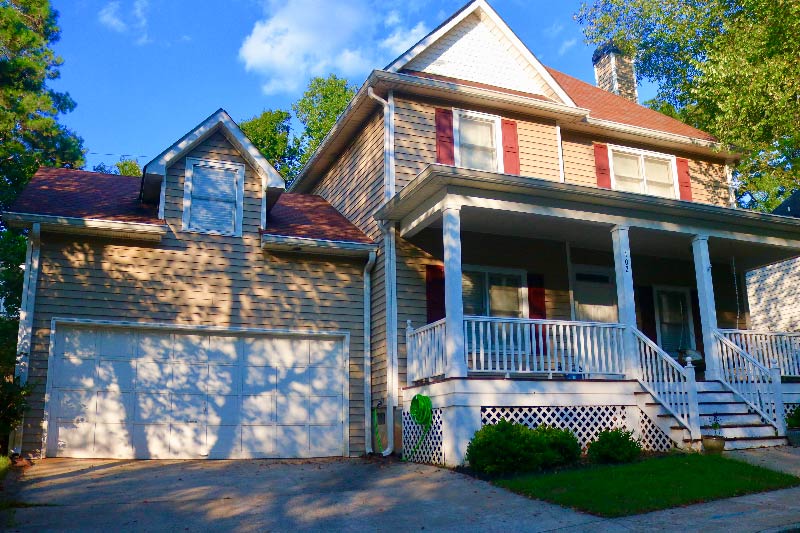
(650, 484)
(5, 466)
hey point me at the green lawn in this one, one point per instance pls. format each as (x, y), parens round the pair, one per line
(649, 485)
(5, 466)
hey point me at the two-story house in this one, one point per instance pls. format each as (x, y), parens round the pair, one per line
(494, 234)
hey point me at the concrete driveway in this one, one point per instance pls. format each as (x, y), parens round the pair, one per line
(323, 495)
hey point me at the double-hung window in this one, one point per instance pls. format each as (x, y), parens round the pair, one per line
(493, 293)
(478, 141)
(212, 197)
(643, 172)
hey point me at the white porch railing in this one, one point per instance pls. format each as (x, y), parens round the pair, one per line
(425, 348)
(766, 347)
(526, 346)
(756, 384)
(670, 384)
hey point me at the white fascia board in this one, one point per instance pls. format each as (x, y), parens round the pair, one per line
(647, 133)
(282, 243)
(89, 226)
(481, 5)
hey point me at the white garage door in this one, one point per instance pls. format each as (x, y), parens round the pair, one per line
(126, 392)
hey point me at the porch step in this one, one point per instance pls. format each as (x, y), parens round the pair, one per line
(711, 386)
(743, 443)
(738, 431)
(722, 408)
(715, 397)
(743, 418)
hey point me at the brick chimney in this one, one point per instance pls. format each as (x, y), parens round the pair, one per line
(614, 72)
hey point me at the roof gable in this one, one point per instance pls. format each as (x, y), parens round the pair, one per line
(476, 45)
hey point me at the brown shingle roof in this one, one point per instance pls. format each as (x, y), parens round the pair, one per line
(607, 106)
(66, 192)
(312, 217)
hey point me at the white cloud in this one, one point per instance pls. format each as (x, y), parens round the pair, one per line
(566, 45)
(298, 39)
(554, 29)
(110, 18)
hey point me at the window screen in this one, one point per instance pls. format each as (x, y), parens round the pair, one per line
(213, 199)
(477, 147)
(643, 174)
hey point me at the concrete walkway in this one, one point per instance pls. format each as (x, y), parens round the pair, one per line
(328, 495)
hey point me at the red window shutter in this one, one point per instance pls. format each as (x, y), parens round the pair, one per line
(684, 179)
(510, 147)
(536, 305)
(434, 292)
(445, 145)
(601, 166)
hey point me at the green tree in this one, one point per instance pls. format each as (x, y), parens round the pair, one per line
(30, 134)
(729, 67)
(270, 133)
(128, 167)
(317, 110)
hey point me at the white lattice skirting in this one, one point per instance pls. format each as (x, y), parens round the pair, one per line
(585, 421)
(430, 449)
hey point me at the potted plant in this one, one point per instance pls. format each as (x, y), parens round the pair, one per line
(793, 426)
(714, 444)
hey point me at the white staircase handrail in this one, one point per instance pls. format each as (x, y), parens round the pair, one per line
(672, 385)
(754, 383)
(767, 346)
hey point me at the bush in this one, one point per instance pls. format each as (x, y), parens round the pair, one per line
(793, 418)
(614, 446)
(13, 403)
(507, 448)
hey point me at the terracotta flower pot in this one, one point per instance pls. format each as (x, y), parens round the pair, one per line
(713, 445)
(793, 436)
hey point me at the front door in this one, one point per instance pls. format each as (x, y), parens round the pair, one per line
(674, 321)
(595, 294)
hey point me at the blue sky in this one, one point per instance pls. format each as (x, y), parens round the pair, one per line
(143, 72)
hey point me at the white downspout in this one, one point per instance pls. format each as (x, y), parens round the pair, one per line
(389, 266)
(367, 352)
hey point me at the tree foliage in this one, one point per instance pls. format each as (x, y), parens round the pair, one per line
(729, 67)
(317, 110)
(30, 134)
(128, 167)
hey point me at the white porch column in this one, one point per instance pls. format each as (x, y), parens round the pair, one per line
(456, 365)
(708, 307)
(626, 307)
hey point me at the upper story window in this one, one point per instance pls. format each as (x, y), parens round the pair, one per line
(493, 292)
(643, 172)
(478, 141)
(212, 197)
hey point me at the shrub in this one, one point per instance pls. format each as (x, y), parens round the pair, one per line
(507, 448)
(793, 418)
(614, 446)
(13, 403)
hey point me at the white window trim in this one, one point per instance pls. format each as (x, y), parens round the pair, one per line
(644, 153)
(239, 169)
(674, 288)
(498, 135)
(523, 282)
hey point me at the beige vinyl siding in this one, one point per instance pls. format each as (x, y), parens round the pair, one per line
(709, 182)
(538, 149)
(774, 296)
(197, 279)
(354, 184)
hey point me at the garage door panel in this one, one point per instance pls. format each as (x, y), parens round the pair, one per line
(292, 408)
(114, 407)
(223, 349)
(116, 344)
(113, 440)
(73, 404)
(223, 409)
(187, 441)
(275, 351)
(75, 438)
(258, 378)
(293, 380)
(154, 345)
(325, 352)
(189, 378)
(223, 379)
(258, 408)
(325, 381)
(324, 409)
(153, 407)
(224, 441)
(291, 441)
(115, 375)
(78, 342)
(189, 408)
(190, 347)
(151, 441)
(325, 440)
(155, 376)
(259, 441)
(73, 373)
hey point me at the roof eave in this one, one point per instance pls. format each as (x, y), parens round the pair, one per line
(88, 226)
(305, 245)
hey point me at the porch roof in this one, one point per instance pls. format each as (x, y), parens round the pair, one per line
(420, 202)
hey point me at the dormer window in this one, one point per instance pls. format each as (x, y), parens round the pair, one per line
(643, 172)
(212, 197)
(478, 141)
